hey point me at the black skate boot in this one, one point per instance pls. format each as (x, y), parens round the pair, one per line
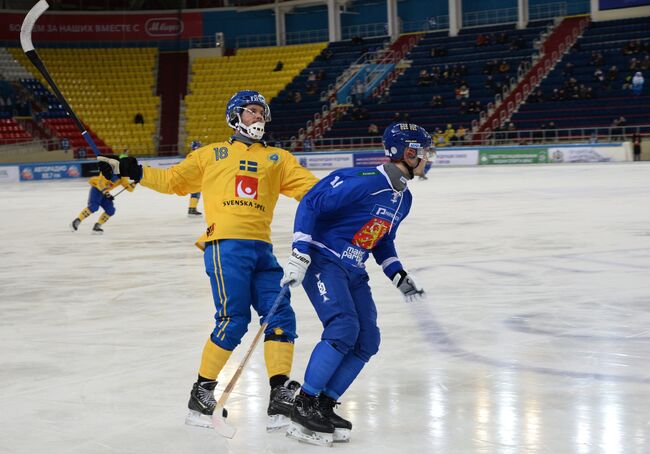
(342, 427)
(75, 224)
(97, 229)
(202, 405)
(308, 423)
(280, 405)
(193, 212)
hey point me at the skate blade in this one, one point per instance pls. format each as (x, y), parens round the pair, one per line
(196, 419)
(342, 435)
(303, 435)
(95, 232)
(277, 422)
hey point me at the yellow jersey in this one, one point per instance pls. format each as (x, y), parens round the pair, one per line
(240, 186)
(104, 185)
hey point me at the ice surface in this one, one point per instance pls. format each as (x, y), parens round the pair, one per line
(535, 337)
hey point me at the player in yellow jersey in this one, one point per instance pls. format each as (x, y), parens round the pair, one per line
(100, 196)
(241, 180)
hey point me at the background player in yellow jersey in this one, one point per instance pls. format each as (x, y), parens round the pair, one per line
(241, 180)
(100, 196)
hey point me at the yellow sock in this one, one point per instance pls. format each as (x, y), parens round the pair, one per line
(103, 218)
(213, 360)
(84, 214)
(278, 357)
(194, 202)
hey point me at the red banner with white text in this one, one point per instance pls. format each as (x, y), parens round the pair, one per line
(105, 27)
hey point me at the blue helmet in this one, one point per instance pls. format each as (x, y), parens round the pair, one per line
(195, 144)
(242, 99)
(400, 136)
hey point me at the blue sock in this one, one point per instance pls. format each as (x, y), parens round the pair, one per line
(324, 361)
(344, 375)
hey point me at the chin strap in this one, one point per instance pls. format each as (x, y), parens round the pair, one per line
(411, 169)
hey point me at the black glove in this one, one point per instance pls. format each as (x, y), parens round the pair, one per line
(128, 166)
(407, 285)
(109, 196)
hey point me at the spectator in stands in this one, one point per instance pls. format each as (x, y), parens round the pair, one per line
(449, 133)
(474, 106)
(462, 92)
(359, 112)
(517, 43)
(481, 40)
(502, 38)
(551, 132)
(297, 97)
(438, 51)
(139, 119)
(637, 83)
(278, 66)
(489, 82)
(617, 128)
(356, 40)
(439, 138)
(463, 108)
(321, 74)
(461, 132)
(327, 54)
(384, 97)
(599, 76)
(632, 47)
(424, 79)
(634, 64)
(307, 144)
(504, 67)
(436, 101)
(645, 63)
(612, 74)
(596, 58)
(373, 129)
(358, 90)
(627, 82)
(490, 67)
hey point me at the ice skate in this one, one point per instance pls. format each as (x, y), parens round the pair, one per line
(308, 425)
(280, 405)
(342, 427)
(201, 405)
(97, 229)
(193, 212)
(75, 224)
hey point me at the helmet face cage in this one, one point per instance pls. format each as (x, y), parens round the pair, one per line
(238, 103)
(195, 144)
(398, 137)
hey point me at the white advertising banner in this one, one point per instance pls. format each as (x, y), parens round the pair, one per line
(588, 154)
(451, 157)
(326, 161)
(9, 174)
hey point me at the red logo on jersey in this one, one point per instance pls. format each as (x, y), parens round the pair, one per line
(370, 234)
(246, 187)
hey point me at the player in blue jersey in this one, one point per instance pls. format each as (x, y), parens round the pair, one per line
(195, 196)
(343, 219)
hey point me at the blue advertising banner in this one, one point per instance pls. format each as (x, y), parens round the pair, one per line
(616, 4)
(55, 171)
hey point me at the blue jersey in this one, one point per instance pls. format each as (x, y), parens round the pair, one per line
(351, 213)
